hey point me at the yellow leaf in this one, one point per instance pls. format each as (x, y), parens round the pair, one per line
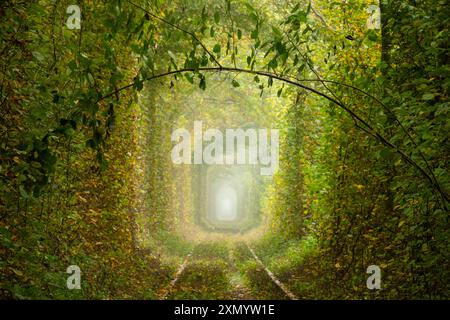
(17, 272)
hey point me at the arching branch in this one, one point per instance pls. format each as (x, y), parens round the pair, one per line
(368, 128)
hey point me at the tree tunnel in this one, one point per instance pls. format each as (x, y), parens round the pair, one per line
(355, 98)
(227, 198)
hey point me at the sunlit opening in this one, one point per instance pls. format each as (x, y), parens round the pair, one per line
(225, 200)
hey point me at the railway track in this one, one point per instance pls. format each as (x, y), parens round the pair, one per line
(180, 278)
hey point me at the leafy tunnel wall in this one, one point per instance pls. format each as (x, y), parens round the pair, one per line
(173, 195)
(85, 169)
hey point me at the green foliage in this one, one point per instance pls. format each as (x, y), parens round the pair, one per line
(260, 284)
(214, 250)
(86, 118)
(203, 279)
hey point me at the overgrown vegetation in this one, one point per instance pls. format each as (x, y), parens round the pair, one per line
(86, 122)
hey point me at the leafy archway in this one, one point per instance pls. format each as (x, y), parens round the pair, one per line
(196, 66)
(85, 171)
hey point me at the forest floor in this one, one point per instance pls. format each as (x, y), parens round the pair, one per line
(214, 271)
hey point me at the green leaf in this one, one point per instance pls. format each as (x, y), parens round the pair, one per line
(204, 61)
(202, 84)
(72, 65)
(189, 77)
(138, 84)
(428, 96)
(273, 64)
(23, 193)
(171, 55)
(386, 153)
(279, 92)
(372, 36)
(216, 48)
(216, 17)
(249, 7)
(235, 83)
(277, 32)
(38, 56)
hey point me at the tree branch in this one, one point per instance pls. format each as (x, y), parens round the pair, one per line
(179, 29)
(369, 129)
(318, 15)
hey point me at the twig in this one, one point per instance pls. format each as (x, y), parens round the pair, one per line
(180, 29)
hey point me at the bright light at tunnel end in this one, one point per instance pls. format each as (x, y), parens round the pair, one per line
(226, 207)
